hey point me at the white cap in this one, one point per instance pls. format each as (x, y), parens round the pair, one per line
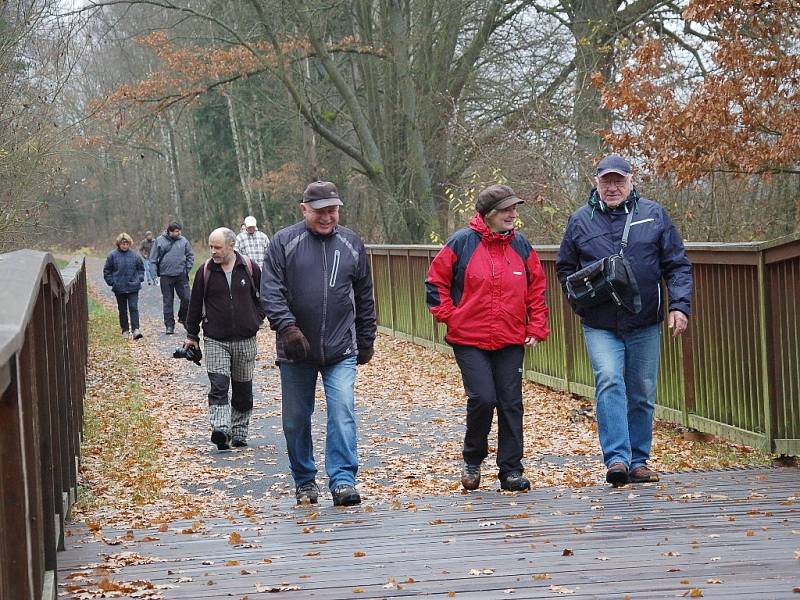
(250, 221)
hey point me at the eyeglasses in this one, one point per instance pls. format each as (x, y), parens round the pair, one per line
(612, 184)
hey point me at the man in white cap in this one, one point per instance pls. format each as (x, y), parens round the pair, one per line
(251, 241)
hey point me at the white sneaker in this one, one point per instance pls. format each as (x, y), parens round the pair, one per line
(137, 335)
(125, 334)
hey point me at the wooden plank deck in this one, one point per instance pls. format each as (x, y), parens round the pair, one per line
(727, 534)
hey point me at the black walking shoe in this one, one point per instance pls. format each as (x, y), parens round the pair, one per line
(471, 476)
(617, 474)
(345, 495)
(307, 492)
(221, 439)
(170, 331)
(515, 482)
(239, 443)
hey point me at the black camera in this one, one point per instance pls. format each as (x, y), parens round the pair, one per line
(192, 353)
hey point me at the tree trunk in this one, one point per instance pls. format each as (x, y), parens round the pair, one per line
(168, 135)
(240, 158)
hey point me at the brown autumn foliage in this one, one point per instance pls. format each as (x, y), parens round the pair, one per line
(740, 116)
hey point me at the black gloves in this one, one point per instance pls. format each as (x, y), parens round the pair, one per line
(365, 355)
(295, 344)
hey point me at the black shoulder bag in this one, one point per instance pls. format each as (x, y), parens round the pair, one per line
(609, 279)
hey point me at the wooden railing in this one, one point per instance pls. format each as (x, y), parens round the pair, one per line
(43, 353)
(735, 373)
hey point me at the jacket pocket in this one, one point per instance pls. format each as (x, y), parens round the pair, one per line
(334, 268)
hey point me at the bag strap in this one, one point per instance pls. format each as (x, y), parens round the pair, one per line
(625, 232)
(162, 251)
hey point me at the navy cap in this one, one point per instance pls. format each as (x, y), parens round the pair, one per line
(613, 164)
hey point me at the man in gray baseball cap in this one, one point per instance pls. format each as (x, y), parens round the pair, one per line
(317, 293)
(321, 194)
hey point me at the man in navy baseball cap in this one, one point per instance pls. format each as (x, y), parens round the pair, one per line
(613, 164)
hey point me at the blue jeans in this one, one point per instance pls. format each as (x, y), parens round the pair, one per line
(298, 383)
(625, 374)
(149, 271)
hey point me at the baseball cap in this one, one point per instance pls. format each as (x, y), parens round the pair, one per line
(613, 164)
(250, 221)
(320, 194)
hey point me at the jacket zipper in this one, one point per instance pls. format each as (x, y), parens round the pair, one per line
(324, 303)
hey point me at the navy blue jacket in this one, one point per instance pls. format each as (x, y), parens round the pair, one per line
(655, 250)
(124, 271)
(323, 285)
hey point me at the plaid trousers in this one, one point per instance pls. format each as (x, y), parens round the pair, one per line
(230, 365)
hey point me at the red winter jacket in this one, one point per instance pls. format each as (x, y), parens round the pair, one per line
(488, 288)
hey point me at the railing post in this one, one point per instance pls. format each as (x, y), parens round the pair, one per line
(15, 569)
(411, 296)
(392, 299)
(569, 344)
(764, 346)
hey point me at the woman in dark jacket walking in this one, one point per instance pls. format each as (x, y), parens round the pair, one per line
(124, 272)
(488, 286)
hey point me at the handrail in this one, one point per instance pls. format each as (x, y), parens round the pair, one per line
(43, 355)
(735, 373)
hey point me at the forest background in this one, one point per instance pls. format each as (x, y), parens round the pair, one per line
(122, 115)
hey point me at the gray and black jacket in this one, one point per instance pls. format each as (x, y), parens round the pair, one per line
(172, 258)
(323, 285)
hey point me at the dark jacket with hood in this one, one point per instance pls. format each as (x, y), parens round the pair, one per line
(231, 312)
(124, 271)
(322, 284)
(488, 288)
(655, 251)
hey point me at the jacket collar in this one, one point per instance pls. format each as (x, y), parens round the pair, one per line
(596, 204)
(478, 225)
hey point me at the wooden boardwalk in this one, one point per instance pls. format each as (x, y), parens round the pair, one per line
(727, 534)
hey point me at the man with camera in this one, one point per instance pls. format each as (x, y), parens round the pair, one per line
(317, 294)
(623, 332)
(225, 299)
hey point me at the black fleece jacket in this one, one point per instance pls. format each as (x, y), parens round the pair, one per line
(232, 313)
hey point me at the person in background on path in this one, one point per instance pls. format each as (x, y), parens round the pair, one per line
(124, 272)
(624, 347)
(251, 241)
(145, 246)
(225, 301)
(487, 285)
(173, 259)
(317, 294)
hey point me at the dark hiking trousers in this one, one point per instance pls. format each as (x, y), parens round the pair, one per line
(493, 379)
(171, 286)
(125, 303)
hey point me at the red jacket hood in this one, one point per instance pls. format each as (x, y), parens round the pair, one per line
(476, 223)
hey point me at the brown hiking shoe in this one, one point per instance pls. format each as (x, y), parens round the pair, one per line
(617, 474)
(642, 474)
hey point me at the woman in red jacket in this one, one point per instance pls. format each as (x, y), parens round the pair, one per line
(488, 286)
